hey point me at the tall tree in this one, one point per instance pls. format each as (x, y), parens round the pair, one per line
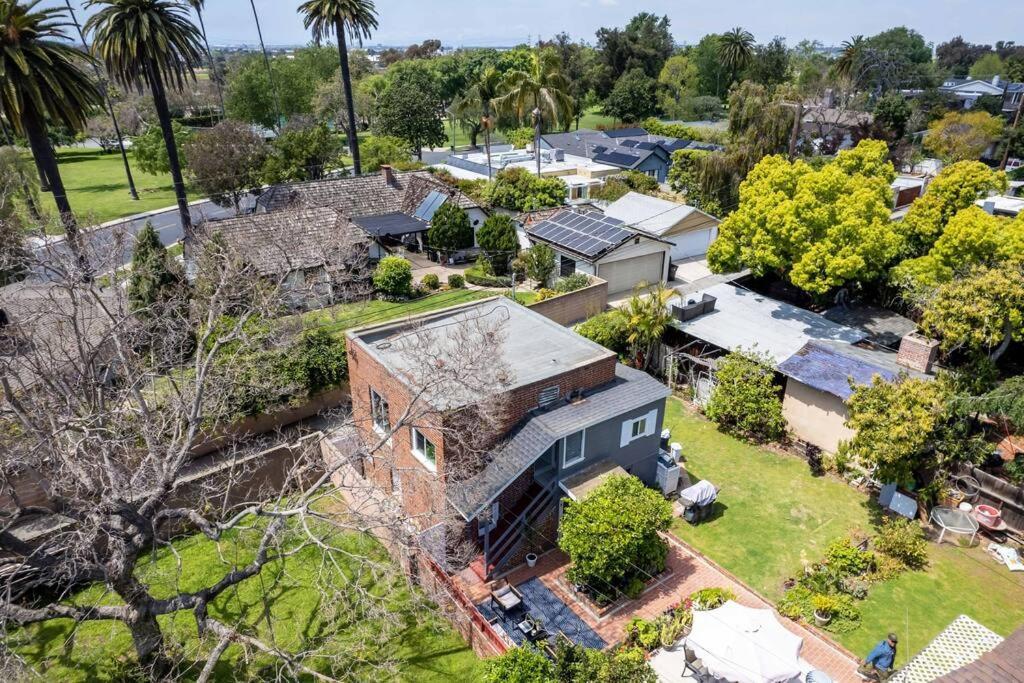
(481, 96)
(150, 42)
(736, 49)
(409, 107)
(43, 83)
(226, 162)
(540, 91)
(266, 65)
(197, 5)
(357, 18)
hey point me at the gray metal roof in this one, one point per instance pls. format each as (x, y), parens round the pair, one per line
(631, 389)
(831, 367)
(395, 223)
(590, 234)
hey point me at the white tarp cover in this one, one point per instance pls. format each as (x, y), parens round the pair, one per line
(745, 645)
(701, 493)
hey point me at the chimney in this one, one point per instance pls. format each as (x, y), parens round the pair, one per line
(829, 100)
(388, 173)
(917, 352)
(989, 206)
(995, 80)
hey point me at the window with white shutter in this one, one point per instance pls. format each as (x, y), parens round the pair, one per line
(638, 427)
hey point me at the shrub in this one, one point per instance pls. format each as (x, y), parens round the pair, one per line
(544, 293)
(824, 605)
(903, 540)
(634, 588)
(450, 229)
(571, 283)
(644, 632)
(524, 664)
(847, 560)
(746, 400)
(498, 240)
(855, 587)
(1014, 470)
(517, 189)
(539, 263)
(607, 329)
(378, 150)
(393, 277)
(608, 548)
(431, 281)
(456, 281)
(578, 664)
(711, 598)
(618, 186)
(318, 361)
(520, 138)
(475, 276)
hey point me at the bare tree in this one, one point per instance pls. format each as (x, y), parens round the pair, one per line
(108, 407)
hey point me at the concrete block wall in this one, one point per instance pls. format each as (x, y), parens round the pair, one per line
(577, 306)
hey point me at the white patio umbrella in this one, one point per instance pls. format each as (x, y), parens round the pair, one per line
(745, 645)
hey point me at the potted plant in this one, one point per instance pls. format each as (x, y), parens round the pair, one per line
(824, 607)
(531, 537)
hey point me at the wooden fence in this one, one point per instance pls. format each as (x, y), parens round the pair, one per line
(1003, 495)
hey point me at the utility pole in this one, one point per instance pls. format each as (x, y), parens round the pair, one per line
(798, 116)
(110, 106)
(1016, 122)
(270, 73)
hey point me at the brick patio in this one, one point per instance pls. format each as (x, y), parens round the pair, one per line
(691, 571)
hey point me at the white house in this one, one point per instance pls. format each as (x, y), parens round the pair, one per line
(690, 230)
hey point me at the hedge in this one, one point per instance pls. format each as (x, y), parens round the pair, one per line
(475, 277)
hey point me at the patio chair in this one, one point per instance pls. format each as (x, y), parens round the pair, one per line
(506, 598)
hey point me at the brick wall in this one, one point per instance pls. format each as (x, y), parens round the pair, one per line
(575, 306)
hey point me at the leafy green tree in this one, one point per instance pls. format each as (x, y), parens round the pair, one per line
(318, 361)
(691, 174)
(539, 264)
(712, 73)
(892, 111)
(303, 151)
(647, 317)
(539, 94)
(381, 150)
(356, 18)
(409, 107)
(1005, 400)
(450, 230)
(820, 228)
(617, 186)
(957, 55)
(902, 43)
(611, 536)
(895, 424)
(634, 97)
(609, 329)
(498, 240)
(746, 400)
(525, 664)
(679, 81)
(736, 50)
(393, 277)
(226, 161)
(517, 190)
(296, 83)
(44, 86)
(150, 152)
(645, 42)
(962, 135)
(956, 187)
(982, 311)
(519, 138)
(987, 66)
(759, 124)
(150, 43)
(770, 63)
(153, 281)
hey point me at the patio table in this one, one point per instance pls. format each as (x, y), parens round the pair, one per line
(955, 520)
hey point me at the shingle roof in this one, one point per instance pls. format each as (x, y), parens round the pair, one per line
(830, 367)
(631, 389)
(396, 223)
(958, 645)
(1002, 664)
(290, 239)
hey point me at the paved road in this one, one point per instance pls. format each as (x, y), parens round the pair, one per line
(103, 240)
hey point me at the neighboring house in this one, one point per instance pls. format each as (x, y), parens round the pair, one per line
(815, 358)
(690, 230)
(580, 174)
(315, 254)
(590, 242)
(394, 209)
(906, 189)
(969, 90)
(1002, 205)
(571, 414)
(628, 149)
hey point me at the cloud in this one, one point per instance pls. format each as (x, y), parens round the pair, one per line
(607, 3)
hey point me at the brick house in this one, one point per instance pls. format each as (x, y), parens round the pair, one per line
(570, 415)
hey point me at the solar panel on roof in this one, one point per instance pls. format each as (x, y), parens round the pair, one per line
(629, 143)
(590, 233)
(429, 206)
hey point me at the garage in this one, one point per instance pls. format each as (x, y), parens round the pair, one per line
(624, 274)
(692, 243)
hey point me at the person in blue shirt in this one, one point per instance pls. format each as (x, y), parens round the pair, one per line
(878, 664)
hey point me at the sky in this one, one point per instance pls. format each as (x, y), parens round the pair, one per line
(509, 22)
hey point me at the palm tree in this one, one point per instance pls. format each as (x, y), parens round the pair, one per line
(735, 49)
(42, 81)
(357, 18)
(150, 42)
(480, 101)
(647, 317)
(541, 90)
(849, 57)
(197, 5)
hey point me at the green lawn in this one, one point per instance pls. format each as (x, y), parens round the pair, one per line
(776, 515)
(337, 319)
(300, 615)
(98, 190)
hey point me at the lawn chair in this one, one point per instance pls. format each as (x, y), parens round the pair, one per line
(506, 598)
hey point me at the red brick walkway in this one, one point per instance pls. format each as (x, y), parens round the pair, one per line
(691, 571)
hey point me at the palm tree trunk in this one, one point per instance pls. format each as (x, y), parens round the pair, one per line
(46, 162)
(536, 132)
(164, 115)
(213, 64)
(346, 85)
(487, 136)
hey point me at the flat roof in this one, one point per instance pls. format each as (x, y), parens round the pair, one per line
(583, 483)
(394, 223)
(531, 347)
(1003, 205)
(746, 320)
(650, 214)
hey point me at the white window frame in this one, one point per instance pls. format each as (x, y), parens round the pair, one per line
(583, 449)
(629, 434)
(375, 398)
(421, 455)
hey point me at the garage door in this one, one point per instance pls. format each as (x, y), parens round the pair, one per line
(624, 275)
(692, 243)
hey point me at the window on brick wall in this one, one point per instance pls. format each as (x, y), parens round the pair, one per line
(379, 412)
(424, 450)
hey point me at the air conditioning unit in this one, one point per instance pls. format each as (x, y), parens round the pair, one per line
(668, 474)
